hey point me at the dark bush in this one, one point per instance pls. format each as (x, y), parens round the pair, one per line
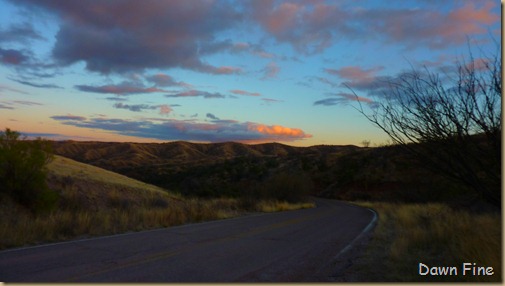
(22, 171)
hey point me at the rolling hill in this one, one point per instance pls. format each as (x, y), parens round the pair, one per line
(201, 169)
(89, 187)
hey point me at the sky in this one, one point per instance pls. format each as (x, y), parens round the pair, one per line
(257, 71)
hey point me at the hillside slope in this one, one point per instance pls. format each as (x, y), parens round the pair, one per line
(65, 167)
(218, 169)
(113, 155)
(84, 186)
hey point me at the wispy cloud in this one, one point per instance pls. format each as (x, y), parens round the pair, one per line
(19, 33)
(243, 92)
(354, 73)
(68, 117)
(342, 98)
(135, 107)
(37, 85)
(26, 102)
(271, 71)
(5, 106)
(196, 93)
(125, 88)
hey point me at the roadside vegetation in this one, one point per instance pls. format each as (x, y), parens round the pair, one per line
(439, 199)
(72, 200)
(433, 234)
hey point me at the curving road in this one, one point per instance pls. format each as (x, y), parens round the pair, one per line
(289, 246)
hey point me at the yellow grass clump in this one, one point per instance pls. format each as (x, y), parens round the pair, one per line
(432, 234)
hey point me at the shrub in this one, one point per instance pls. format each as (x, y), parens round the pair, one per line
(22, 170)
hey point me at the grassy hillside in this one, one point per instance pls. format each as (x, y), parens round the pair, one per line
(61, 168)
(91, 201)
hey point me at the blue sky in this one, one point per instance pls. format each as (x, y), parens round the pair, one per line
(214, 71)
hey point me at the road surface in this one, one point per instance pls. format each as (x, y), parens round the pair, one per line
(282, 247)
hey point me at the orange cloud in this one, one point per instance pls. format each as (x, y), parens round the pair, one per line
(278, 131)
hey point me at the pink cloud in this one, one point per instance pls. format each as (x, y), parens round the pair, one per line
(243, 92)
(312, 26)
(431, 28)
(283, 18)
(354, 72)
(165, 109)
(271, 71)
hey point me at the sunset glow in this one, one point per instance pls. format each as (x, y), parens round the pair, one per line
(215, 71)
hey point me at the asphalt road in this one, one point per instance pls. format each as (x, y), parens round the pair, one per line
(282, 247)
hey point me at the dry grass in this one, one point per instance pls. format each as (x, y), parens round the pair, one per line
(276, 206)
(94, 202)
(64, 167)
(64, 224)
(434, 234)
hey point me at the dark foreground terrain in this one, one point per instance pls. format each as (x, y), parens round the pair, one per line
(291, 246)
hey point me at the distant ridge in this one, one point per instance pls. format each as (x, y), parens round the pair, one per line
(112, 155)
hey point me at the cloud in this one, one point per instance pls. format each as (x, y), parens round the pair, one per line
(253, 49)
(271, 100)
(116, 99)
(270, 71)
(9, 104)
(196, 93)
(165, 109)
(311, 27)
(13, 57)
(19, 33)
(328, 101)
(354, 73)
(164, 80)
(135, 107)
(277, 131)
(191, 130)
(123, 36)
(243, 92)
(26, 102)
(327, 81)
(68, 117)
(125, 88)
(343, 98)
(3, 87)
(3, 106)
(212, 116)
(429, 27)
(219, 70)
(358, 78)
(37, 85)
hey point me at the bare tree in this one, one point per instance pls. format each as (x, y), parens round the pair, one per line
(452, 123)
